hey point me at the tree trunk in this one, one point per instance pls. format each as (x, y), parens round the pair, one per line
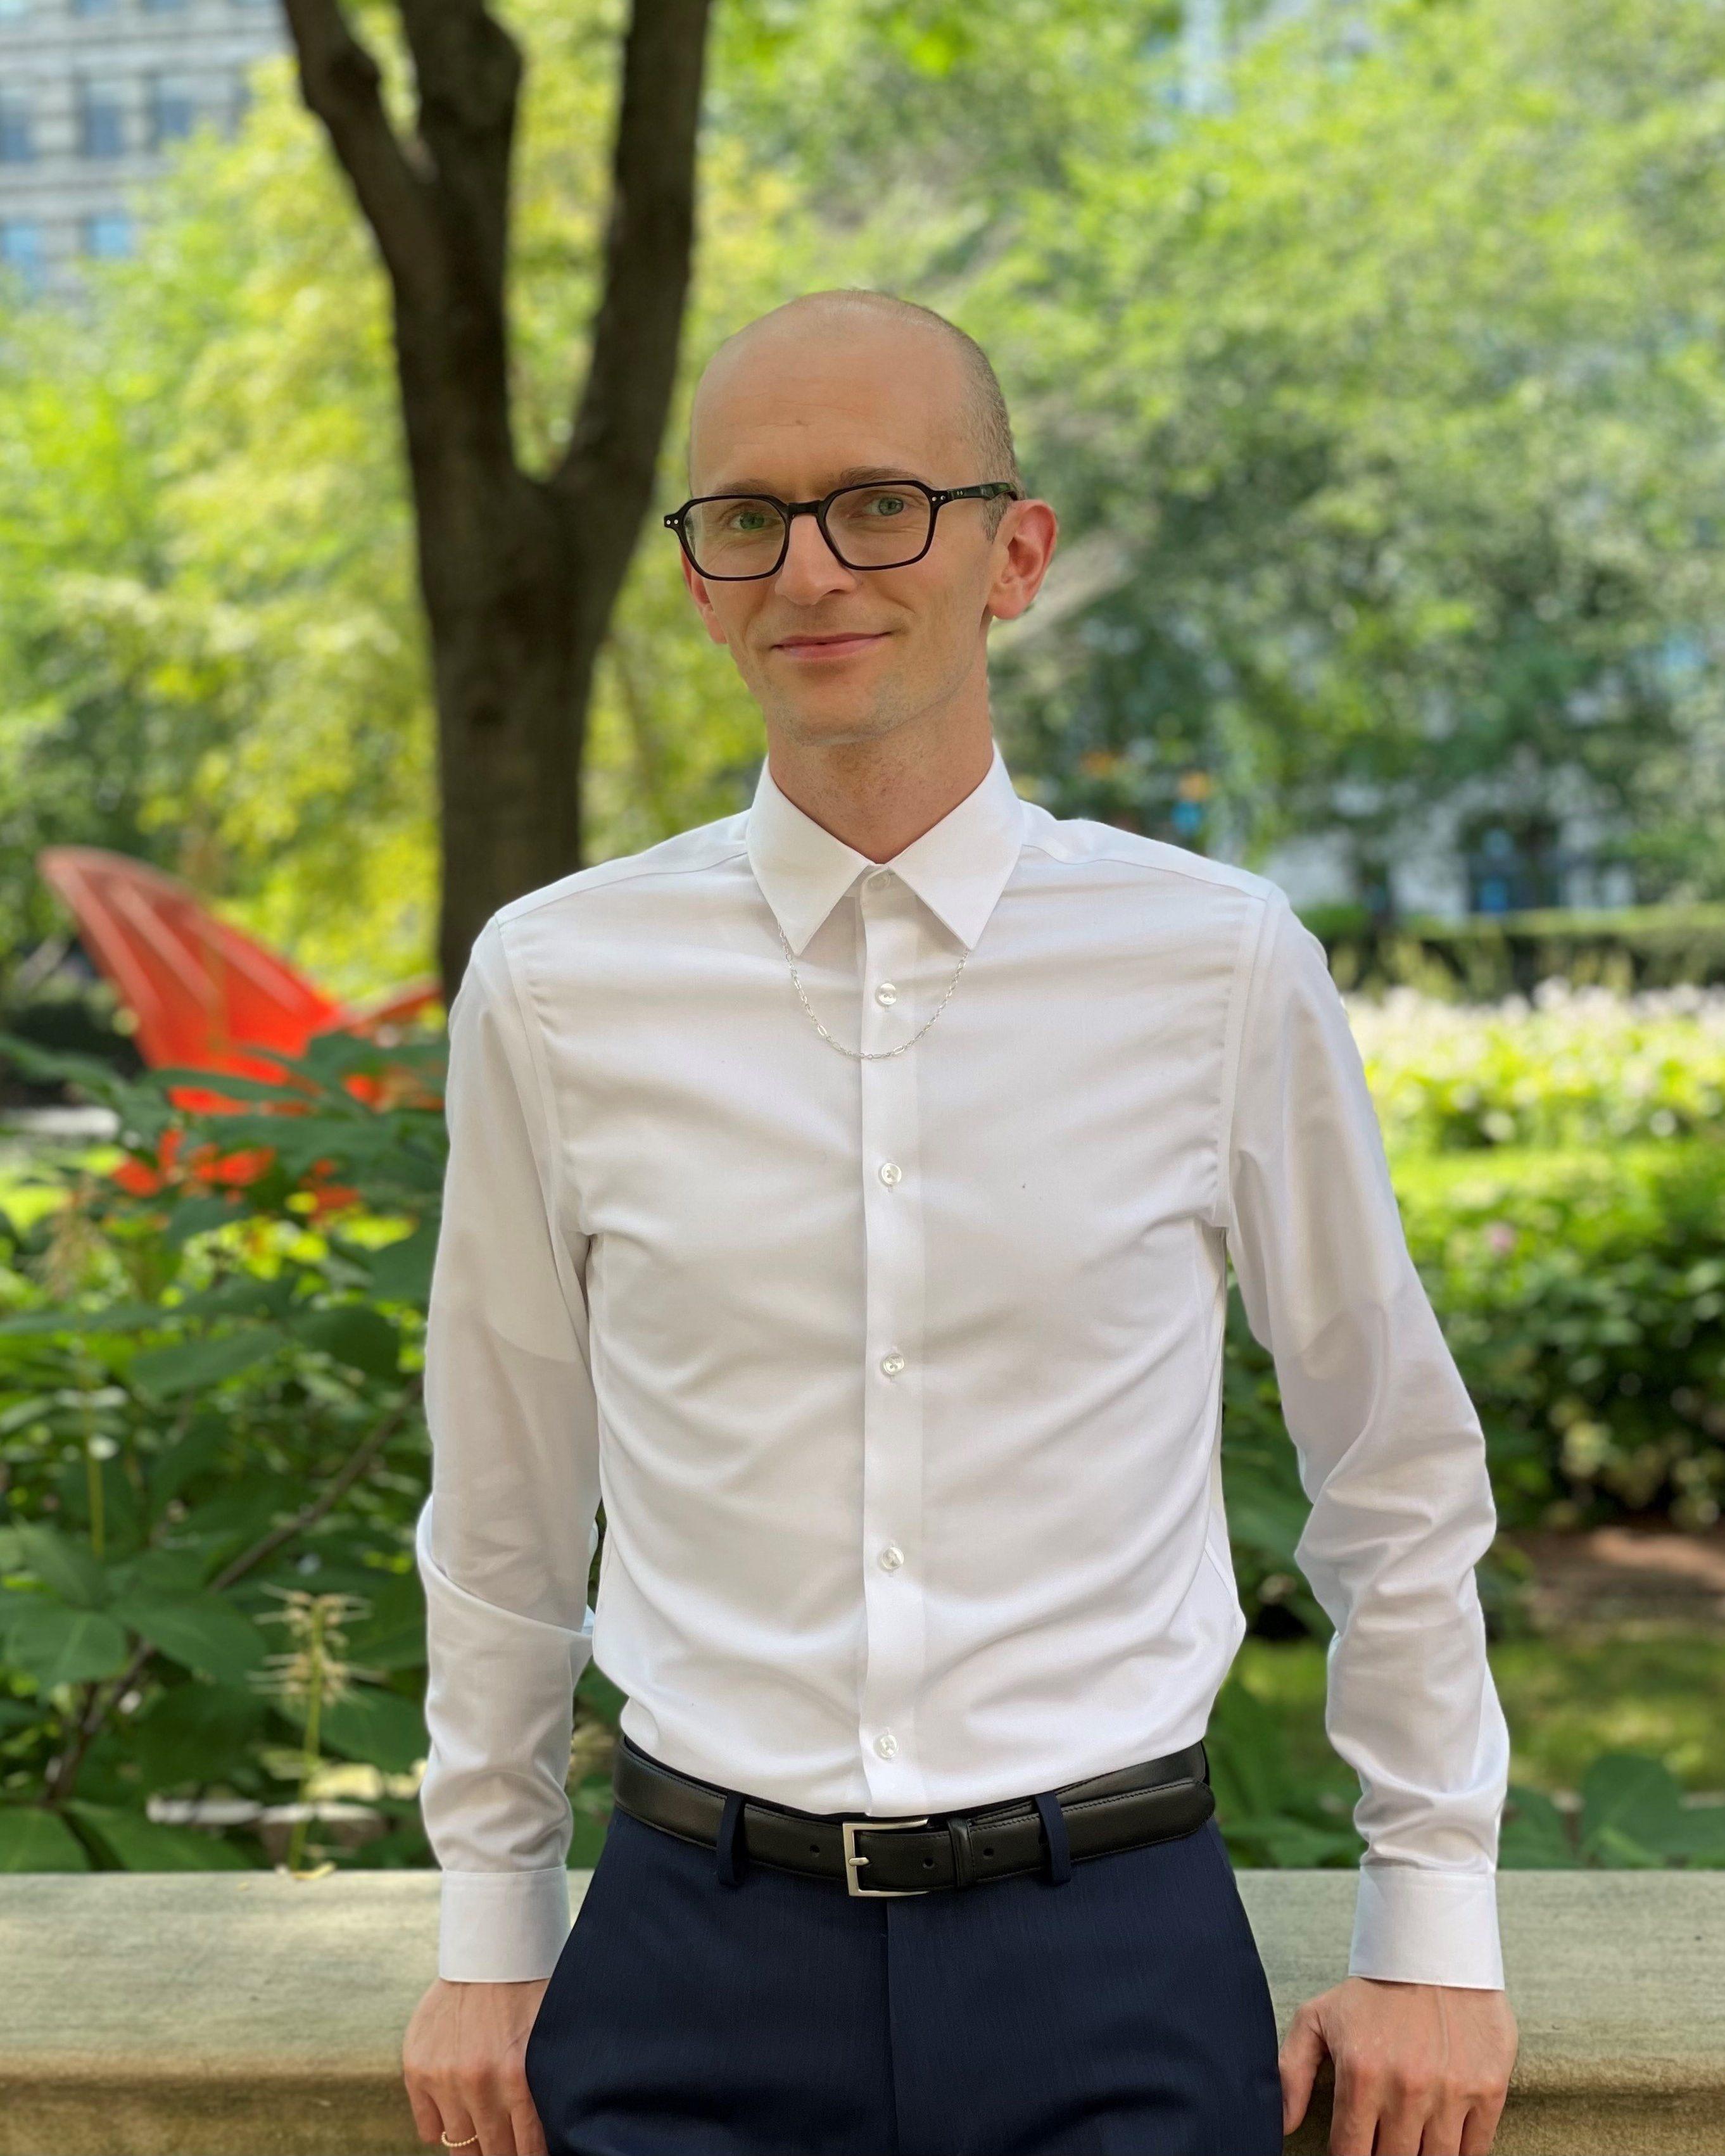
(518, 572)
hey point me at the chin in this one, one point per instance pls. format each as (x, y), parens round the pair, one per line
(826, 723)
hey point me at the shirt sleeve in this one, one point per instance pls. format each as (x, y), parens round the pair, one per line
(1392, 1458)
(504, 1539)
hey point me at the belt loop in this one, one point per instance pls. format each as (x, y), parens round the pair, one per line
(730, 1837)
(1054, 1826)
(958, 1834)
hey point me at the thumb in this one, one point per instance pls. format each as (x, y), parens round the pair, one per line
(1303, 2051)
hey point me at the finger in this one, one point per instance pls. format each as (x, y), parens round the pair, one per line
(1444, 2127)
(1481, 2130)
(427, 2117)
(457, 2127)
(496, 2128)
(1303, 2052)
(1402, 2122)
(1354, 2119)
(529, 2134)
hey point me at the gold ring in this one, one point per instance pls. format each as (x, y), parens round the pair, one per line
(468, 2143)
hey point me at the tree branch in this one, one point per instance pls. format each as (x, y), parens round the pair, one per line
(340, 84)
(649, 243)
(468, 72)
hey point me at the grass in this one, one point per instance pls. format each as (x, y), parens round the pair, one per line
(1646, 1685)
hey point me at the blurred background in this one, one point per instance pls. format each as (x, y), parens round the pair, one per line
(1373, 355)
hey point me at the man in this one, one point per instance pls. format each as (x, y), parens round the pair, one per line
(843, 1191)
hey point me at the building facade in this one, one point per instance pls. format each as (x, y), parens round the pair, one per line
(93, 94)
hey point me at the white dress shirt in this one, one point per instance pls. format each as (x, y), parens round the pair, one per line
(900, 1379)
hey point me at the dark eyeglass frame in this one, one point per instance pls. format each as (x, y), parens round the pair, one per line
(938, 497)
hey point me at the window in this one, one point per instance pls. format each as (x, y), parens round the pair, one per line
(16, 144)
(20, 250)
(101, 123)
(173, 108)
(1512, 862)
(107, 233)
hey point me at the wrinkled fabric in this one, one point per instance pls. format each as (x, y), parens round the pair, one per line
(900, 1379)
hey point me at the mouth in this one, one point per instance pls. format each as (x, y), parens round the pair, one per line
(829, 647)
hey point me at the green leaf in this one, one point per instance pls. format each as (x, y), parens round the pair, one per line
(196, 1216)
(70, 1569)
(1612, 1847)
(164, 1571)
(194, 1732)
(201, 1629)
(185, 1459)
(136, 1843)
(1535, 1838)
(165, 1371)
(401, 1271)
(35, 1840)
(366, 1723)
(1629, 1801)
(392, 1634)
(111, 1317)
(1698, 1835)
(56, 1644)
(354, 1333)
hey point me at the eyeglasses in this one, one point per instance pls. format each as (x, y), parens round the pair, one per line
(886, 525)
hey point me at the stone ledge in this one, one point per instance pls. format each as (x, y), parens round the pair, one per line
(217, 2014)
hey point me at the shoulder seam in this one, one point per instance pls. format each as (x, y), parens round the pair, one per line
(551, 1177)
(1152, 868)
(1252, 942)
(530, 902)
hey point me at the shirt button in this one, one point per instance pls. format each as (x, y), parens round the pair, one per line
(887, 992)
(886, 1744)
(891, 1173)
(892, 1362)
(881, 876)
(892, 1557)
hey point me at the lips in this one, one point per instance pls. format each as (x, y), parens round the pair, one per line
(832, 647)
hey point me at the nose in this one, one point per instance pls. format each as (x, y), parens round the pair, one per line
(810, 567)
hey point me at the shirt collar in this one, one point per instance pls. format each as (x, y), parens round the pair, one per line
(958, 868)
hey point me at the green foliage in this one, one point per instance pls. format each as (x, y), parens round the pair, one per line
(1569, 1068)
(1482, 958)
(1387, 402)
(210, 1361)
(1583, 1295)
(1632, 1817)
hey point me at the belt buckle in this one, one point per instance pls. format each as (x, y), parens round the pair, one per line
(848, 1829)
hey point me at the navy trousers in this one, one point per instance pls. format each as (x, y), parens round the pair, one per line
(1122, 2010)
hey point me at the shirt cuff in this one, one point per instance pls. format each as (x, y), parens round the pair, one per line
(502, 1926)
(1415, 1925)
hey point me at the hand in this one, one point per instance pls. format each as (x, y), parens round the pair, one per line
(1425, 2068)
(463, 2062)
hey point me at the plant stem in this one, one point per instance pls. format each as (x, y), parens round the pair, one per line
(64, 1774)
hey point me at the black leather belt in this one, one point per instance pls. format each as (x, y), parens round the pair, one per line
(1156, 1801)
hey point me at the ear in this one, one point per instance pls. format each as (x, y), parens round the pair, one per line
(1024, 548)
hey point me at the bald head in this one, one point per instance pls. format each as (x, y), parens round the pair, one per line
(819, 361)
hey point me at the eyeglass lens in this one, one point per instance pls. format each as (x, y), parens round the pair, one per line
(870, 527)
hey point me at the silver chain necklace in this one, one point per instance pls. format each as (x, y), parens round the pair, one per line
(867, 1054)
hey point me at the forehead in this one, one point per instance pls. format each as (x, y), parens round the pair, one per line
(796, 408)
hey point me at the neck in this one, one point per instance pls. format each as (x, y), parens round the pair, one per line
(879, 796)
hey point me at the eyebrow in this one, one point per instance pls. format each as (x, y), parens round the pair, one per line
(852, 475)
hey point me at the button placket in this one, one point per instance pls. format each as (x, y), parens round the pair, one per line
(893, 943)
